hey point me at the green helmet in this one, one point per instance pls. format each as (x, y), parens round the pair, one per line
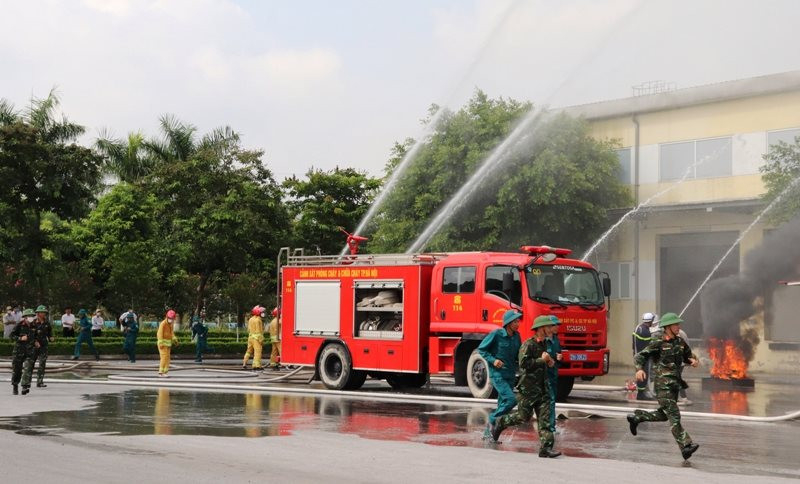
(669, 319)
(545, 320)
(41, 309)
(28, 312)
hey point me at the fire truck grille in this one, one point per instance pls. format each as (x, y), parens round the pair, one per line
(581, 341)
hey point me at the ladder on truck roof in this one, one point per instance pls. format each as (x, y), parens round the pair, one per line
(295, 258)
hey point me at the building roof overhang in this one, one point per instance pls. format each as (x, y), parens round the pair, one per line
(692, 96)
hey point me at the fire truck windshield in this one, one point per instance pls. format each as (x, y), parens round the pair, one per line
(564, 285)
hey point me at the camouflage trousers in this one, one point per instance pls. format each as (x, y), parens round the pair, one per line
(21, 365)
(526, 406)
(667, 396)
(40, 355)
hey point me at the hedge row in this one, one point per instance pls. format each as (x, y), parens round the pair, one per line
(142, 347)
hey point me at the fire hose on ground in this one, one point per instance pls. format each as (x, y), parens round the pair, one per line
(600, 410)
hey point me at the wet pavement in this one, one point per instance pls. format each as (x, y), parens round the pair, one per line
(726, 447)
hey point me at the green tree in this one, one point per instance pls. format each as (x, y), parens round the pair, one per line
(119, 243)
(129, 160)
(555, 189)
(43, 172)
(222, 210)
(780, 174)
(325, 201)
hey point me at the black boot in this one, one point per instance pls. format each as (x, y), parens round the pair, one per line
(40, 385)
(495, 430)
(25, 391)
(96, 357)
(15, 389)
(689, 450)
(633, 423)
(549, 453)
(644, 396)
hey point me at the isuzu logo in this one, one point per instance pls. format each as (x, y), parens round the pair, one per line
(576, 328)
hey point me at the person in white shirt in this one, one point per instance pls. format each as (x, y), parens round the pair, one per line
(9, 322)
(124, 315)
(97, 323)
(68, 323)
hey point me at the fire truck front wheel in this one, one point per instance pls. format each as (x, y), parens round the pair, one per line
(478, 376)
(336, 368)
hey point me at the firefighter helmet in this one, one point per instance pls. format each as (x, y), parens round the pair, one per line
(171, 314)
(257, 310)
(648, 317)
(275, 311)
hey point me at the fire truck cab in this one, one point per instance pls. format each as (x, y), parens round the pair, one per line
(405, 317)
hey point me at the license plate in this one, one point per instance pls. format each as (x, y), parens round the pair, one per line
(578, 357)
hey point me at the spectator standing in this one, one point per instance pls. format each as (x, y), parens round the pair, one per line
(9, 322)
(97, 323)
(125, 315)
(68, 323)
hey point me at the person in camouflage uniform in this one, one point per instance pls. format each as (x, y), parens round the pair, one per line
(669, 353)
(23, 337)
(43, 335)
(534, 388)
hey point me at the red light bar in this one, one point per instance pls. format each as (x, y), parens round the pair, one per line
(544, 249)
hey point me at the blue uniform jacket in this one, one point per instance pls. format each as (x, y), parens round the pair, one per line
(499, 345)
(553, 348)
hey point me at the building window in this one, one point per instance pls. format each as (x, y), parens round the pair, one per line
(786, 135)
(705, 158)
(620, 274)
(624, 157)
(458, 279)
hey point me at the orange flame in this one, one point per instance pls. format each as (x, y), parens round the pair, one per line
(728, 360)
(732, 402)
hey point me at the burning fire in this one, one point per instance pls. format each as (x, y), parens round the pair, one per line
(728, 360)
(729, 402)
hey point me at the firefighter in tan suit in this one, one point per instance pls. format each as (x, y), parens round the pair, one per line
(255, 338)
(275, 340)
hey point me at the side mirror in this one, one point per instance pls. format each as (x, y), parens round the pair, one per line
(508, 282)
(607, 286)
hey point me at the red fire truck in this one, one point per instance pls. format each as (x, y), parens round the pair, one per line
(403, 317)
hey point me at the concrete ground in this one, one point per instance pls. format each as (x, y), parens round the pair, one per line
(89, 431)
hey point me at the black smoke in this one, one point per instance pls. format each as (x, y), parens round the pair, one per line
(727, 301)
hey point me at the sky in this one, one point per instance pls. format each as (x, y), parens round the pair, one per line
(336, 83)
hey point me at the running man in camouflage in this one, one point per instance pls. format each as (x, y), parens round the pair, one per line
(534, 388)
(669, 353)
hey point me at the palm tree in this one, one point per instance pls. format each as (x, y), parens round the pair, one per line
(179, 141)
(128, 160)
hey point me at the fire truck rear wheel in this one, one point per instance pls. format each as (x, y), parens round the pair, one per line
(478, 376)
(335, 367)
